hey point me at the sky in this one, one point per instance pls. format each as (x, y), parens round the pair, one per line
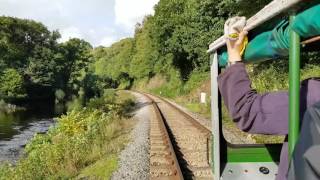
(100, 22)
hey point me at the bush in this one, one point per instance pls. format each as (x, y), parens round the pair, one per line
(60, 95)
(80, 139)
(269, 76)
(75, 104)
(11, 84)
(109, 95)
(81, 142)
(196, 79)
(173, 87)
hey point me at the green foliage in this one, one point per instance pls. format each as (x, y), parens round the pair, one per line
(76, 104)
(75, 63)
(183, 29)
(102, 169)
(173, 86)
(273, 75)
(310, 71)
(171, 43)
(60, 95)
(11, 84)
(196, 79)
(34, 65)
(116, 60)
(269, 76)
(145, 53)
(81, 142)
(29, 48)
(41, 66)
(109, 95)
(19, 37)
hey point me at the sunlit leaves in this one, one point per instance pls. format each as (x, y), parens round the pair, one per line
(11, 84)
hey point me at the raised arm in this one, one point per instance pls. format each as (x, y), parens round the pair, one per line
(254, 113)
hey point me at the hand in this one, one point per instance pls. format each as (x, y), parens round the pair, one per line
(234, 47)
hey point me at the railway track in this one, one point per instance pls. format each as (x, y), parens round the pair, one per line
(163, 160)
(183, 151)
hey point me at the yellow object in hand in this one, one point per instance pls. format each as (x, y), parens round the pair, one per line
(235, 36)
(243, 45)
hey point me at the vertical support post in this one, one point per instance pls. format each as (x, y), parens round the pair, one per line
(294, 88)
(215, 115)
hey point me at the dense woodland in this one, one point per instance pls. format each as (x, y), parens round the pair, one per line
(169, 46)
(172, 43)
(33, 65)
(168, 49)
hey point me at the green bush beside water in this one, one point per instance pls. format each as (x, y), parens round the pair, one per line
(79, 145)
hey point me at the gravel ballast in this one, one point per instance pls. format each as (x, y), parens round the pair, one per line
(134, 159)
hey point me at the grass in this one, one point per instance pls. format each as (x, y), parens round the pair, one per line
(203, 109)
(171, 85)
(101, 169)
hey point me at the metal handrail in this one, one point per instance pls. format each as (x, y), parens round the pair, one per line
(271, 10)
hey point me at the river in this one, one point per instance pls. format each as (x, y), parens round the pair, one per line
(18, 128)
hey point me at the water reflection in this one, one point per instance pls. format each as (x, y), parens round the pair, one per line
(10, 125)
(16, 129)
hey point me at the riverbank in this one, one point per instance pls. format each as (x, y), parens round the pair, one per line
(19, 123)
(11, 149)
(84, 143)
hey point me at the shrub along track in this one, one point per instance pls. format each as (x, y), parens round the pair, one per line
(190, 142)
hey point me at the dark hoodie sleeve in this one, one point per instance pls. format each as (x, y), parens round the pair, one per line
(253, 112)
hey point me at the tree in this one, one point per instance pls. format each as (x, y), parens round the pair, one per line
(115, 64)
(18, 39)
(72, 68)
(41, 67)
(11, 84)
(172, 42)
(31, 49)
(145, 52)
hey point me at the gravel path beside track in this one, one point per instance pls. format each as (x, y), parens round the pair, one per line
(134, 159)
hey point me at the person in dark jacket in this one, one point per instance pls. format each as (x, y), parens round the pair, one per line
(260, 113)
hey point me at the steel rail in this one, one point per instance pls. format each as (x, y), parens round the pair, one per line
(186, 115)
(207, 133)
(162, 139)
